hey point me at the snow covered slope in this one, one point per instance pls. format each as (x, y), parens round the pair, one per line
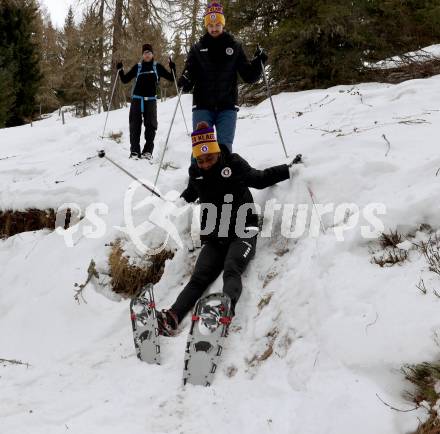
(313, 358)
(425, 54)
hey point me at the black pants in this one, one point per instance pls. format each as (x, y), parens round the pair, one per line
(232, 257)
(150, 124)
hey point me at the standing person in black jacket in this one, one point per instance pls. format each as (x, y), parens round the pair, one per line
(229, 222)
(143, 99)
(211, 69)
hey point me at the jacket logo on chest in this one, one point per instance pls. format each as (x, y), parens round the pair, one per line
(226, 172)
(229, 51)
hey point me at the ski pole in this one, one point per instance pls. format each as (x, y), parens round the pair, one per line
(181, 107)
(168, 137)
(110, 103)
(312, 196)
(297, 160)
(101, 154)
(269, 93)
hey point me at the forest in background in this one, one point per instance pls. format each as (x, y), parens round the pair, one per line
(310, 43)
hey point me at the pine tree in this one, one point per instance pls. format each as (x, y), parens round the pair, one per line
(50, 67)
(188, 21)
(420, 20)
(69, 41)
(8, 68)
(322, 44)
(177, 53)
(316, 43)
(7, 94)
(89, 61)
(19, 61)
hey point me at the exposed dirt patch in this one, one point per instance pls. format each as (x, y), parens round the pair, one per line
(16, 222)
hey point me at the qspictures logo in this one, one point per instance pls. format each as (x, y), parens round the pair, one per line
(154, 223)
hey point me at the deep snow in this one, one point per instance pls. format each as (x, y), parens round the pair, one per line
(340, 326)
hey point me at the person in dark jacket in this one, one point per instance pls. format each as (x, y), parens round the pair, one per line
(229, 223)
(211, 70)
(143, 99)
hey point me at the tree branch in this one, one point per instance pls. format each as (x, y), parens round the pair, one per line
(389, 144)
(15, 362)
(396, 409)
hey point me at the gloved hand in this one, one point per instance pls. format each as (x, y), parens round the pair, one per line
(297, 160)
(295, 166)
(184, 83)
(260, 54)
(172, 65)
(119, 66)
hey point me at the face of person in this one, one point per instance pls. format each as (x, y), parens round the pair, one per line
(148, 56)
(215, 30)
(205, 162)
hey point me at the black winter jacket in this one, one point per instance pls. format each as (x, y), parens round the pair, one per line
(231, 175)
(146, 83)
(211, 68)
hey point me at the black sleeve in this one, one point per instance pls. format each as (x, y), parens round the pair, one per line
(190, 194)
(250, 72)
(125, 78)
(162, 72)
(261, 178)
(188, 76)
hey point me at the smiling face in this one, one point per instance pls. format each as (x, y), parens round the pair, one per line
(205, 162)
(147, 56)
(215, 29)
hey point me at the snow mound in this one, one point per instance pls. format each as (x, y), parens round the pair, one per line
(319, 330)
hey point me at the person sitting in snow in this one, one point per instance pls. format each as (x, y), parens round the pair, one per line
(211, 69)
(143, 99)
(220, 180)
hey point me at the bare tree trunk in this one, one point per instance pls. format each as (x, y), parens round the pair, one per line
(194, 22)
(117, 36)
(102, 93)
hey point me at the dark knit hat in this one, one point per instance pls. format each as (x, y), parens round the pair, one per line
(147, 47)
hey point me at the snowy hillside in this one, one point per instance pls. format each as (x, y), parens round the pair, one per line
(320, 333)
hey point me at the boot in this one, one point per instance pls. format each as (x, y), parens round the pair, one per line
(167, 322)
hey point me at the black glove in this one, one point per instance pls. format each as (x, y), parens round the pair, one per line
(296, 160)
(260, 54)
(119, 65)
(184, 83)
(172, 65)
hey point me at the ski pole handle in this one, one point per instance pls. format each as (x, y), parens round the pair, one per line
(296, 160)
(101, 154)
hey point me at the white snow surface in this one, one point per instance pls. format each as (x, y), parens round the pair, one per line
(423, 55)
(340, 326)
